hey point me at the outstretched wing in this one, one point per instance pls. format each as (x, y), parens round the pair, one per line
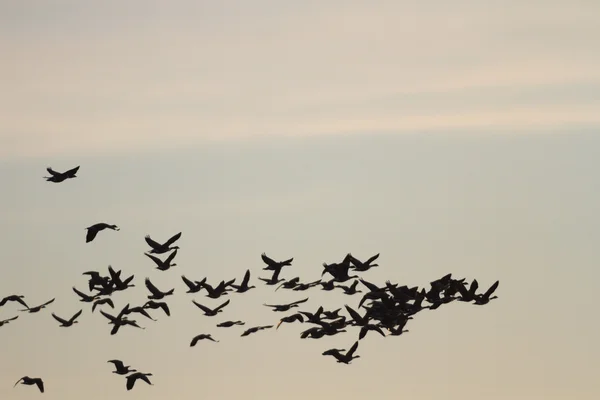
(72, 171)
(352, 349)
(74, 317)
(91, 234)
(118, 364)
(59, 319)
(52, 172)
(299, 302)
(246, 278)
(151, 242)
(157, 260)
(203, 308)
(171, 257)
(222, 305)
(267, 260)
(151, 287)
(48, 302)
(172, 240)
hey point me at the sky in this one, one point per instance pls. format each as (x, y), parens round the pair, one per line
(448, 137)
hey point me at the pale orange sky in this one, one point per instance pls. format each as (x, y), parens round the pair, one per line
(449, 137)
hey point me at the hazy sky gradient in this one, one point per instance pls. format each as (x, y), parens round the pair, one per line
(448, 137)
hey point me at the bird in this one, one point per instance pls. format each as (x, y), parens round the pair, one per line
(286, 307)
(100, 302)
(31, 381)
(273, 265)
(368, 327)
(86, 298)
(135, 376)
(343, 358)
(93, 230)
(163, 265)
(290, 318)
(202, 336)
(58, 177)
(211, 312)
(155, 293)
(485, 298)
(244, 286)
(158, 248)
(195, 286)
(255, 329)
(228, 324)
(38, 308)
(14, 297)
(120, 368)
(64, 323)
(6, 321)
(154, 305)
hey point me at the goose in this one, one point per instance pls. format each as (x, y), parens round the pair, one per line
(66, 323)
(31, 381)
(58, 177)
(135, 376)
(202, 336)
(158, 248)
(343, 358)
(211, 312)
(93, 230)
(163, 265)
(155, 293)
(120, 368)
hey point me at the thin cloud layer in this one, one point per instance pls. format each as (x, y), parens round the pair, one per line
(103, 78)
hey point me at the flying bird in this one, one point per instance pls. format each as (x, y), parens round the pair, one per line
(58, 177)
(38, 308)
(202, 336)
(31, 381)
(156, 294)
(286, 307)
(211, 312)
(163, 265)
(343, 358)
(135, 376)
(64, 323)
(158, 248)
(6, 321)
(93, 230)
(14, 297)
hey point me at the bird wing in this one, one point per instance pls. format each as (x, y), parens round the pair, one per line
(48, 302)
(172, 240)
(91, 234)
(355, 316)
(81, 294)
(195, 340)
(72, 171)
(267, 260)
(151, 287)
(299, 302)
(200, 306)
(59, 319)
(491, 290)
(222, 305)
(151, 242)
(40, 385)
(18, 382)
(107, 315)
(171, 257)
(74, 317)
(370, 260)
(53, 173)
(246, 278)
(352, 349)
(369, 285)
(189, 283)
(157, 260)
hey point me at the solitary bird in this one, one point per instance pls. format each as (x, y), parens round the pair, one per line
(211, 312)
(202, 336)
(64, 323)
(163, 265)
(38, 308)
(14, 297)
(255, 329)
(120, 368)
(58, 177)
(93, 230)
(135, 376)
(31, 381)
(156, 293)
(286, 307)
(228, 324)
(343, 358)
(158, 248)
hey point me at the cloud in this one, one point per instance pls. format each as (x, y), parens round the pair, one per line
(89, 80)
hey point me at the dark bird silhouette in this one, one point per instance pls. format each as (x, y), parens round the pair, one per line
(290, 319)
(139, 310)
(350, 290)
(100, 302)
(228, 324)
(202, 336)
(360, 266)
(289, 284)
(14, 297)
(66, 323)
(343, 358)
(163, 265)
(38, 308)
(366, 328)
(485, 298)
(286, 307)
(135, 376)
(220, 290)
(211, 312)
(6, 321)
(273, 265)
(58, 177)
(158, 248)
(154, 305)
(255, 329)
(120, 368)
(244, 286)
(31, 381)
(155, 293)
(93, 230)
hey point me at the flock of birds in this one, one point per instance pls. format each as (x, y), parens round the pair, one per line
(387, 308)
